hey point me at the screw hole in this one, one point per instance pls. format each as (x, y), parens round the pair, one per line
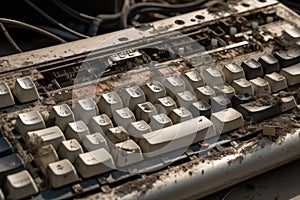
(179, 22)
(245, 4)
(123, 39)
(200, 17)
(262, 1)
(193, 20)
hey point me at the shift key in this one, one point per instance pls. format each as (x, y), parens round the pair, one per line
(10, 164)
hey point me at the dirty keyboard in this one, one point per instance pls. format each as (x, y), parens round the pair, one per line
(78, 120)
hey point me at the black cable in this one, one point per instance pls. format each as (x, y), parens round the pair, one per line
(33, 28)
(53, 21)
(9, 38)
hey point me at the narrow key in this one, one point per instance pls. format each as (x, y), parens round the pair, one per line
(132, 96)
(242, 86)
(44, 156)
(174, 84)
(292, 74)
(180, 115)
(127, 153)
(200, 108)
(288, 57)
(185, 99)
(269, 63)
(165, 105)
(226, 90)
(6, 96)
(144, 111)
(213, 76)
(124, 117)
(154, 90)
(137, 129)
(233, 72)
(220, 103)
(29, 121)
(10, 164)
(176, 137)
(109, 102)
(25, 90)
(20, 185)
(276, 81)
(193, 79)
(260, 86)
(5, 147)
(61, 173)
(70, 149)
(160, 121)
(94, 163)
(52, 135)
(85, 109)
(62, 115)
(252, 69)
(287, 103)
(76, 130)
(205, 93)
(117, 134)
(227, 120)
(94, 141)
(100, 123)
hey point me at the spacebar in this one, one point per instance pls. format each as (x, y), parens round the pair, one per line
(175, 137)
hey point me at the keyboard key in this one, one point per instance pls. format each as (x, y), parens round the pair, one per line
(226, 90)
(252, 69)
(94, 163)
(213, 76)
(219, 103)
(62, 116)
(25, 90)
(10, 164)
(269, 63)
(5, 147)
(132, 96)
(117, 134)
(154, 90)
(287, 103)
(177, 136)
(276, 81)
(45, 155)
(85, 109)
(6, 96)
(127, 153)
(124, 117)
(29, 121)
(137, 129)
(174, 84)
(233, 72)
(260, 86)
(94, 141)
(144, 111)
(292, 74)
(165, 105)
(109, 102)
(70, 149)
(200, 108)
(100, 123)
(52, 135)
(242, 86)
(205, 93)
(237, 100)
(20, 185)
(76, 130)
(227, 120)
(61, 173)
(288, 57)
(180, 115)
(185, 99)
(2, 197)
(193, 80)
(160, 121)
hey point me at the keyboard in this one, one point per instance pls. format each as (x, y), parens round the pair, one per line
(180, 108)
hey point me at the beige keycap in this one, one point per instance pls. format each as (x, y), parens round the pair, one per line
(100, 123)
(94, 163)
(242, 86)
(276, 81)
(137, 129)
(174, 84)
(260, 86)
(70, 149)
(62, 115)
(193, 79)
(144, 111)
(154, 90)
(165, 105)
(205, 93)
(29, 121)
(132, 96)
(94, 141)
(44, 156)
(292, 74)
(124, 117)
(109, 102)
(287, 103)
(85, 109)
(160, 121)
(61, 173)
(6, 96)
(233, 72)
(20, 185)
(25, 90)
(117, 134)
(76, 130)
(185, 99)
(180, 115)
(226, 90)
(213, 76)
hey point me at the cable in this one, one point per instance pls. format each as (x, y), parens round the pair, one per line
(53, 21)
(9, 38)
(33, 28)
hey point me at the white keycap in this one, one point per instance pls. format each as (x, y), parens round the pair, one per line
(29, 121)
(127, 153)
(154, 90)
(62, 115)
(177, 136)
(174, 84)
(20, 185)
(292, 74)
(6, 96)
(94, 141)
(260, 86)
(193, 80)
(132, 96)
(200, 108)
(45, 155)
(117, 134)
(287, 103)
(52, 135)
(76, 130)
(137, 129)
(94, 163)
(205, 93)
(25, 90)
(233, 72)
(70, 149)
(165, 105)
(213, 76)
(276, 81)
(185, 99)
(109, 102)
(100, 123)
(124, 117)
(61, 173)
(85, 109)
(144, 111)
(160, 121)
(226, 90)
(180, 115)
(227, 120)
(242, 86)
